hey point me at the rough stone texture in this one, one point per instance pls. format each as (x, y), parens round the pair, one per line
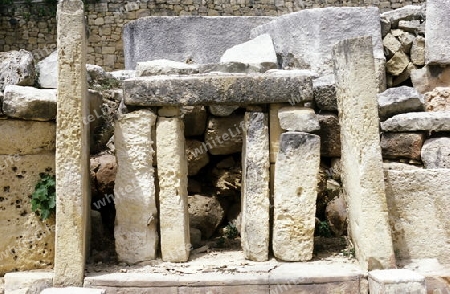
(205, 213)
(257, 52)
(401, 145)
(29, 103)
(28, 282)
(300, 119)
(103, 170)
(27, 242)
(122, 75)
(436, 153)
(317, 30)
(404, 76)
(397, 64)
(438, 99)
(96, 75)
(429, 77)
(72, 149)
(417, 121)
(275, 131)
(418, 51)
(396, 281)
(227, 180)
(173, 195)
(48, 71)
(194, 118)
(16, 68)
(330, 140)
(398, 166)
(234, 67)
(413, 26)
(408, 12)
(73, 290)
(362, 169)
(223, 110)
(399, 100)
(151, 38)
(406, 40)
(295, 196)
(220, 89)
(414, 196)
(196, 237)
(164, 67)
(255, 197)
(391, 44)
(437, 41)
(196, 155)
(325, 93)
(27, 137)
(336, 214)
(224, 135)
(135, 232)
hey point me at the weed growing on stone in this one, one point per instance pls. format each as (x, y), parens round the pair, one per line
(231, 232)
(324, 229)
(43, 199)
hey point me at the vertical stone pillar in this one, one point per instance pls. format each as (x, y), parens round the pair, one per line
(72, 148)
(134, 190)
(173, 201)
(295, 193)
(255, 227)
(362, 167)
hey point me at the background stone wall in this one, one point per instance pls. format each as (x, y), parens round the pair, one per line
(32, 27)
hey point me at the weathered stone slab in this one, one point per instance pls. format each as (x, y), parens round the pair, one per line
(16, 68)
(436, 153)
(274, 133)
(325, 93)
(413, 196)
(164, 67)
(418, 51)
(223, 110)
(402, 145)
(397, 64)
(300, 119)
(27, 137)
(391, 44)
(255, 198)
(48, 71)
(199, 39)
(295, 196)
(218, 89)
(224, 135)
(134, 189)
(29, 103)
(27, 242)
(396, 281)
(408, 12)
(429, 77)
(317, 30)
(27, 282)
(437, 32)
(330, 135)
(258, 52)
(399, 100)
(73, 290)
(72, 150)
(417, 121)
(438, 99)
(362, 167)
(173, 195)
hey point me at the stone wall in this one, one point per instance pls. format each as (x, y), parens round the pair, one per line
(34, 29)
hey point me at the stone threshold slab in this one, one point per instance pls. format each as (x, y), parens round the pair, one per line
(219, 89)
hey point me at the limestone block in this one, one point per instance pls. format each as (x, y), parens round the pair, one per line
(398, 166)
(397, 64)
(16, 68)
(429, 77)
(27, 137)
(408, 12)
(327, 25)
(404, 76)
(224, 135)
(394, 281)
(325, 93)
(194, 118)
(233, 67)
(197, 156)
(173, 196)
(27, 242)
(336, 214)
(417, 121)
(72, 150)
(123, 74)
(73, 290)
(135, 231)
(48, 71)
(399, 100)
(164, 67)
(413, 26)
(275, 131)
(436, 153)
(255, 196)
(257, 52)
(166, 37)
(222, 110)
(29, 103)
(295, 196)
(437, 32)
(330, 135)
(205, 213)
(300, 119)
(401, 145)
(418, 51)
(169, 111)
(362, 169)
(218, 89)
(391, 44)
(28, 282)
(438, 99)
(413, 196)
(406, 40)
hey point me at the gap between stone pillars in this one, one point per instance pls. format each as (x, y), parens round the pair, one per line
(72, 148)
(173, 178)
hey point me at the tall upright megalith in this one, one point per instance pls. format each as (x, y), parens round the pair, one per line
(72, 147)
(362, 165)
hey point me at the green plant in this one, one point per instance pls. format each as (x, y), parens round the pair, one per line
(324, 229)
(349, 252)
(43, 199)
(231, 232)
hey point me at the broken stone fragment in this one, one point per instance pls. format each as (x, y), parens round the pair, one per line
(401, 145)
(417, 121)
(164, 67)
(16, 68)
(418, 51)
(399, 100)
(397, 64)
(325, 93)
(436, 153)
(300, 119)
(438, 99)
(330, 135)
